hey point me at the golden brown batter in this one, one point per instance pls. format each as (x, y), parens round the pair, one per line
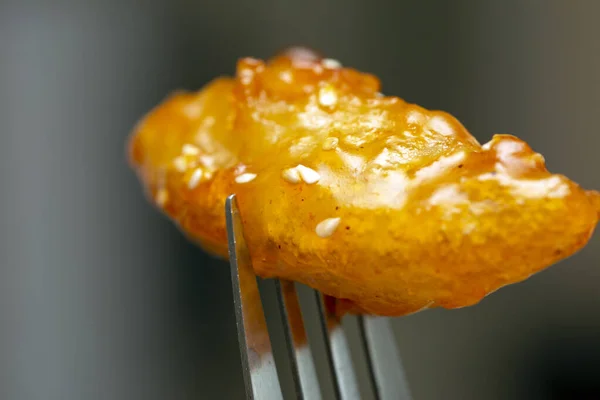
(385, 205)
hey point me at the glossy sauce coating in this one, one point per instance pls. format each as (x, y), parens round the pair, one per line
(384, 205)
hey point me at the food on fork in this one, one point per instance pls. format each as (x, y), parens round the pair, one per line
(386, 206)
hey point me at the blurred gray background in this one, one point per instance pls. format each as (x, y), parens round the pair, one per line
(102, 298)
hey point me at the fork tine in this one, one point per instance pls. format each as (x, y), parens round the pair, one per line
(258, 366)
(384, 362)
(338, 352)
(303, 367)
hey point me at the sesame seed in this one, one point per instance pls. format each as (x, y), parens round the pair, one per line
(330, 143)
(180, 164)
(414, 117)
(195, 178)
(161, 197)
(190, 150)
(245, 178)
(291, 175)
(207, 161)
(328, 96)
(331, 63)
(326, 227)
(286, 76)
(308, 175)
(440, 125)
(246, 76)
(192, 110)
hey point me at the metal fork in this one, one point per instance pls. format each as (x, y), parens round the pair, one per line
(259, 370)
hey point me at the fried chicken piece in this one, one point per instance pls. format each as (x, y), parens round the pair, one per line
(384, 205)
